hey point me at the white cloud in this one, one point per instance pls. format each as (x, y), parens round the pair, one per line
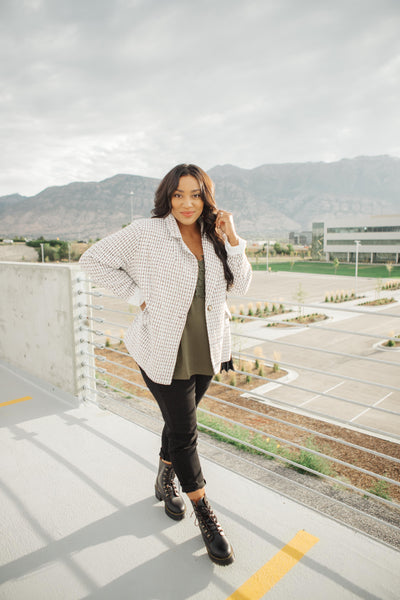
(94, 88)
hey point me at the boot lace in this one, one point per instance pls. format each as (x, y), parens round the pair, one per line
(207, 520)
(168, 482)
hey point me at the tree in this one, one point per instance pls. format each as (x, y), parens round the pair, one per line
(389, 267)
(50, 253)
(278, 248)
(300, 295)
(336, 263)
(63, 250)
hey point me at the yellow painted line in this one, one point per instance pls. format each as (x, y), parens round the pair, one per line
(15, 401)
(265, 578)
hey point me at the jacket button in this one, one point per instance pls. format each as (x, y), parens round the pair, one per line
(209, 307)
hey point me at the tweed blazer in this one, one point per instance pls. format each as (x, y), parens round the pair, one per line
(151, 255)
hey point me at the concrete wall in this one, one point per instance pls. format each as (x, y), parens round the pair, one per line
(39, 322)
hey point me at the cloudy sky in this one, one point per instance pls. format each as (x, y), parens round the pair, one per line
(92, 88)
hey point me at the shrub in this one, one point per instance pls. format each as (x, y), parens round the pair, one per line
(381, 489)
(277, 357)
(238, 432)
(308, 459)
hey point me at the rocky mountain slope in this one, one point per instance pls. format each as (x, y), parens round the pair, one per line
(269, 200)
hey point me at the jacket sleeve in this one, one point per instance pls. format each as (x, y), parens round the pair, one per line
(107, 261)
(240, 267)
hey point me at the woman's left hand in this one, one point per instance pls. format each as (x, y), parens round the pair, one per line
(224, 222)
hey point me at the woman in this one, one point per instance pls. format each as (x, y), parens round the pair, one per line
(180, 265)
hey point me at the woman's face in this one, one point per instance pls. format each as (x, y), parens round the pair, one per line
(187, 204)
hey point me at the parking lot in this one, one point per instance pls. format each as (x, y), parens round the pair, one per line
(343, 348)
(339, 351)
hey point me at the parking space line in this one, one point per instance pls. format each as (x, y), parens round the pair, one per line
(319, 395)
(266, 577)
(372, 406)
(15, 401)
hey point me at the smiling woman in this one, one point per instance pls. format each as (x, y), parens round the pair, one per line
(181, 262)
(168, 199)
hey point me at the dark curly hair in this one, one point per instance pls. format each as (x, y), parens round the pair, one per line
(162, 207)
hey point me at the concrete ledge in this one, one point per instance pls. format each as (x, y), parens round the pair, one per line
(40, 322)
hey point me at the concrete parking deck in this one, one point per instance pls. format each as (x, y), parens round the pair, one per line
(79, 519)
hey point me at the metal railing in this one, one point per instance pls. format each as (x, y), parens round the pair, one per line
(347, 439)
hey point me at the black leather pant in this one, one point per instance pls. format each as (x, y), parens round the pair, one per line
(178, 403)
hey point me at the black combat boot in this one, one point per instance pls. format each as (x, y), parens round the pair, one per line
(165, 489)
(218, 548)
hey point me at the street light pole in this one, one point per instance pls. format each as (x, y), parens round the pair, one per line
(357, 243)
(131, 195)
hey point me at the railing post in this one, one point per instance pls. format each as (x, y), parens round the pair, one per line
(84, 354)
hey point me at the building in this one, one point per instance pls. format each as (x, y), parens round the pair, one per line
(300, 238)
(376, 237)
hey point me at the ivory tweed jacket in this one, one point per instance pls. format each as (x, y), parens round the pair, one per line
(151, 255)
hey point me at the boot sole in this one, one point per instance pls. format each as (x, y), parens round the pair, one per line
(222, 562)
(171, 515)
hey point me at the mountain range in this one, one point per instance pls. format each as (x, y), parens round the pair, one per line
(269, 200)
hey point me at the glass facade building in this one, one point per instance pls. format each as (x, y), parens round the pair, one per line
(377, 237)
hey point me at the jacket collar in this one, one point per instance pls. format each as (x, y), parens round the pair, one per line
(173, 226)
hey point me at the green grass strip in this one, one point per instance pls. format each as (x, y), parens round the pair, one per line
(375, 271)
(302, 458)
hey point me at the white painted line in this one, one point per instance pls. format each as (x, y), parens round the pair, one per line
(319, 395)
(367, 409)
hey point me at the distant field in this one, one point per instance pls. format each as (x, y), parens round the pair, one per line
(378, 271)
(17, 252)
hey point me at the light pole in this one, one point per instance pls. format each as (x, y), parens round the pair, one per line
(131, 195)
(357, 243)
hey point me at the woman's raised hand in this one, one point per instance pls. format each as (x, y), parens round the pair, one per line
(224, 222)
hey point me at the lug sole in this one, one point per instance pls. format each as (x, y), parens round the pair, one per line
(223, 562)
(175, 516)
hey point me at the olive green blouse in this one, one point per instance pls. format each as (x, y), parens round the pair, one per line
(194, 350)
